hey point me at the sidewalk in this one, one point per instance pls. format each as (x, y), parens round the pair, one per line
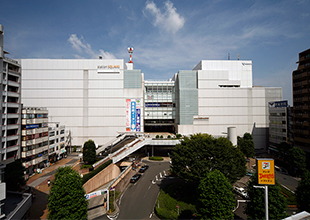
(38, 209)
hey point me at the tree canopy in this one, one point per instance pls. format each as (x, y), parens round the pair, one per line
(196, 156)
(14, 176)
(297, 159)
(66, 199)
(303, 192)
(89, 152)
(215, 197)
(277, 204)
(246, 145)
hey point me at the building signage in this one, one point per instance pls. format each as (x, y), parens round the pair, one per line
(108, 68)
(266, 173)
(279, 104)
(138, 115)
(128, 101)
(133, 115)
(32, 126)
(150, 105)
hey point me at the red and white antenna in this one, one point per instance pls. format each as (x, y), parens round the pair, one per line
(130, 50)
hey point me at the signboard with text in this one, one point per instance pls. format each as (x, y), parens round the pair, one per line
(266, 172)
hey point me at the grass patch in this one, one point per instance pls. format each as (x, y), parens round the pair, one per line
(291, 197)
(86, 166)
(111, 200)
(90, 175)
(156, 158)
(173, 195)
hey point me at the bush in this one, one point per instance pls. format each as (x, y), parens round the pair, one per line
(161, 136)
(168, 136)
(74, 148)
(157, 136)
(90, 175)
(86, 166)
(170, 196)
(156, 158)
(178, 136)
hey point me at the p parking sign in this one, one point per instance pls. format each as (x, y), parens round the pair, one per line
(266, 174)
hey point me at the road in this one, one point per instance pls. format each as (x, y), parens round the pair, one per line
(139, 199)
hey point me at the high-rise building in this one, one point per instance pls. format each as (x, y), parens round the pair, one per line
(34, 139)
(301, 103)
(17, 205)
(98, 98)
(56, 140)
(280, 125)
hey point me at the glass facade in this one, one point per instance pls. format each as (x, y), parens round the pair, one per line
(159, 104)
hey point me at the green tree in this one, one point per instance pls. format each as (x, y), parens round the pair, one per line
(277, 203)
(196, 156)
(14, 176)
(215, 197)
(297, 159)
(283, 149)
(246, 145)
(89, 152)
(303, 192)
(66, 199)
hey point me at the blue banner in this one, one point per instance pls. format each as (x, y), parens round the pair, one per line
(138, 119)
(149, 105)
(32, 126)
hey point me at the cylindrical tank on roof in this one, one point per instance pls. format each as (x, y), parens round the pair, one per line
(232, 135)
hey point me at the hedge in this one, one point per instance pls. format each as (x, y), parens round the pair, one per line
(90, 175)
(156, 158)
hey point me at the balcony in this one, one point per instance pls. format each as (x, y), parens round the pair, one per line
(34, 151)
(34, 121)
(34, 141)
(34, 131)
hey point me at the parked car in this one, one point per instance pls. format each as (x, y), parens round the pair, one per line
(135, 178)
(143, 168)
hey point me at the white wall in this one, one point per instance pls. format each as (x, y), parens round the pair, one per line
(90, 104)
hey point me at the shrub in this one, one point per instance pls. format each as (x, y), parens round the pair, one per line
(74, 148)
(157, 136)
(90, 175)
(168, 136)
(178, 136)
(161, 136)
(156, 158)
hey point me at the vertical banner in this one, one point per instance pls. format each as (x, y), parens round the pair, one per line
(138, 115)
(133, 115)
(128, 114)
(266, 174)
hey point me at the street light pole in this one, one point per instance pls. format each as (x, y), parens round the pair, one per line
(266, 200)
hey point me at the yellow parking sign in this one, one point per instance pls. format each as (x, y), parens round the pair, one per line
(266, 174)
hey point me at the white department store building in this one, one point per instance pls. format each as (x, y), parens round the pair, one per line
(97, 98)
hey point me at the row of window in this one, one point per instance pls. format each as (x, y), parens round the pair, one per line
(34, 136)
(35, 146)
(30, 116)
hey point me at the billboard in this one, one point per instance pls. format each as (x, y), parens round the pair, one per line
(266, 173)
(133, 115)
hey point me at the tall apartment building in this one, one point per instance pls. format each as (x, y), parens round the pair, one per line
(301, 103)
(280, 125)
(17, 205)
(35, 146)
(56, 134)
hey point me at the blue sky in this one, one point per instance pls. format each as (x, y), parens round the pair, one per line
(167, 36)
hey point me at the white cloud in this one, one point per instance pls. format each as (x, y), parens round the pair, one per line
(85, 48)
(169, 20)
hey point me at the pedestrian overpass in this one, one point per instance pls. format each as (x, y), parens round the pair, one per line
(129, 143)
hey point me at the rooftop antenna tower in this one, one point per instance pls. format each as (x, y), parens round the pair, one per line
(228, 56)
(130, 51)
